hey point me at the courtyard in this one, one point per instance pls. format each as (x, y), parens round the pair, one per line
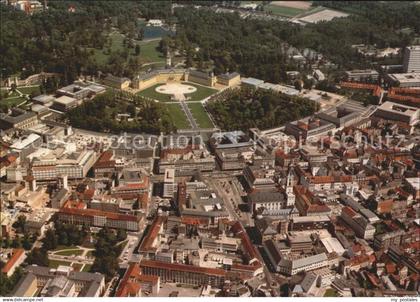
(165, 92)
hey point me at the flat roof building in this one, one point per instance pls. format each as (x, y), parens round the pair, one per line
(60, 282)
(404, 80)
(411, 61)
(398, 112)
(362, 75)
(64, 103)
(251, 82)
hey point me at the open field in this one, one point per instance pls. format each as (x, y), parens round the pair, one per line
(283, 10)
(201, 93)
(200, 115)
(149, 53)
(303, 5)
(178, 116)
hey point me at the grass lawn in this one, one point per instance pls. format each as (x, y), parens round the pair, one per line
(29, 90)
(13, 94)
(75, 252)
(86, 268)
(331, 293)
(13, 102)
(200, 115)
(201, 93)
(56, 263)
(178, 116)
(152, 94)
(283, 10)
(149, 53)
(148, 50)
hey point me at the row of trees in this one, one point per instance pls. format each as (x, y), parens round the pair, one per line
(64, 234)
(246, 108)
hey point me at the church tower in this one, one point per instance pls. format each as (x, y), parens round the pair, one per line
(289, 188)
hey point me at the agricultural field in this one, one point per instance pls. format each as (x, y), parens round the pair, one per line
(200, 115)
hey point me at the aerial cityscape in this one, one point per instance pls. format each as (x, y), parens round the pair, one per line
(209, 149)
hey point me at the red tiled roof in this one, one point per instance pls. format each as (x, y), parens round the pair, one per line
(349, 211)
(147, 242)
(74, 204)
(127, 287)
(104, 161)
(246, 242)
(194, 220)
(17, 253)
(93, 212)
(133, 186)
(131, 282)
(311, 203)
(182, 267)
(330, 179)
(88, 194)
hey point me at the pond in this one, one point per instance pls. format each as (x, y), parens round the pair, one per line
(152, 32)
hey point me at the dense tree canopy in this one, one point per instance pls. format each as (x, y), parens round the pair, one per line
(57, 40)
(246, 108)
(107, 251)
(7, 284)
(100, 115)
(258, 47)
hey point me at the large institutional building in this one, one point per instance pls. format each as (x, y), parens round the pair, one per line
(187, 75)
(60, 282)
(412, 59)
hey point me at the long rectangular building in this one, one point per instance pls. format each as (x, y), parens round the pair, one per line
(182, 273)
(96, 218)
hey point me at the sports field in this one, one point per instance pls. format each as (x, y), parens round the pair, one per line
(285, 11)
